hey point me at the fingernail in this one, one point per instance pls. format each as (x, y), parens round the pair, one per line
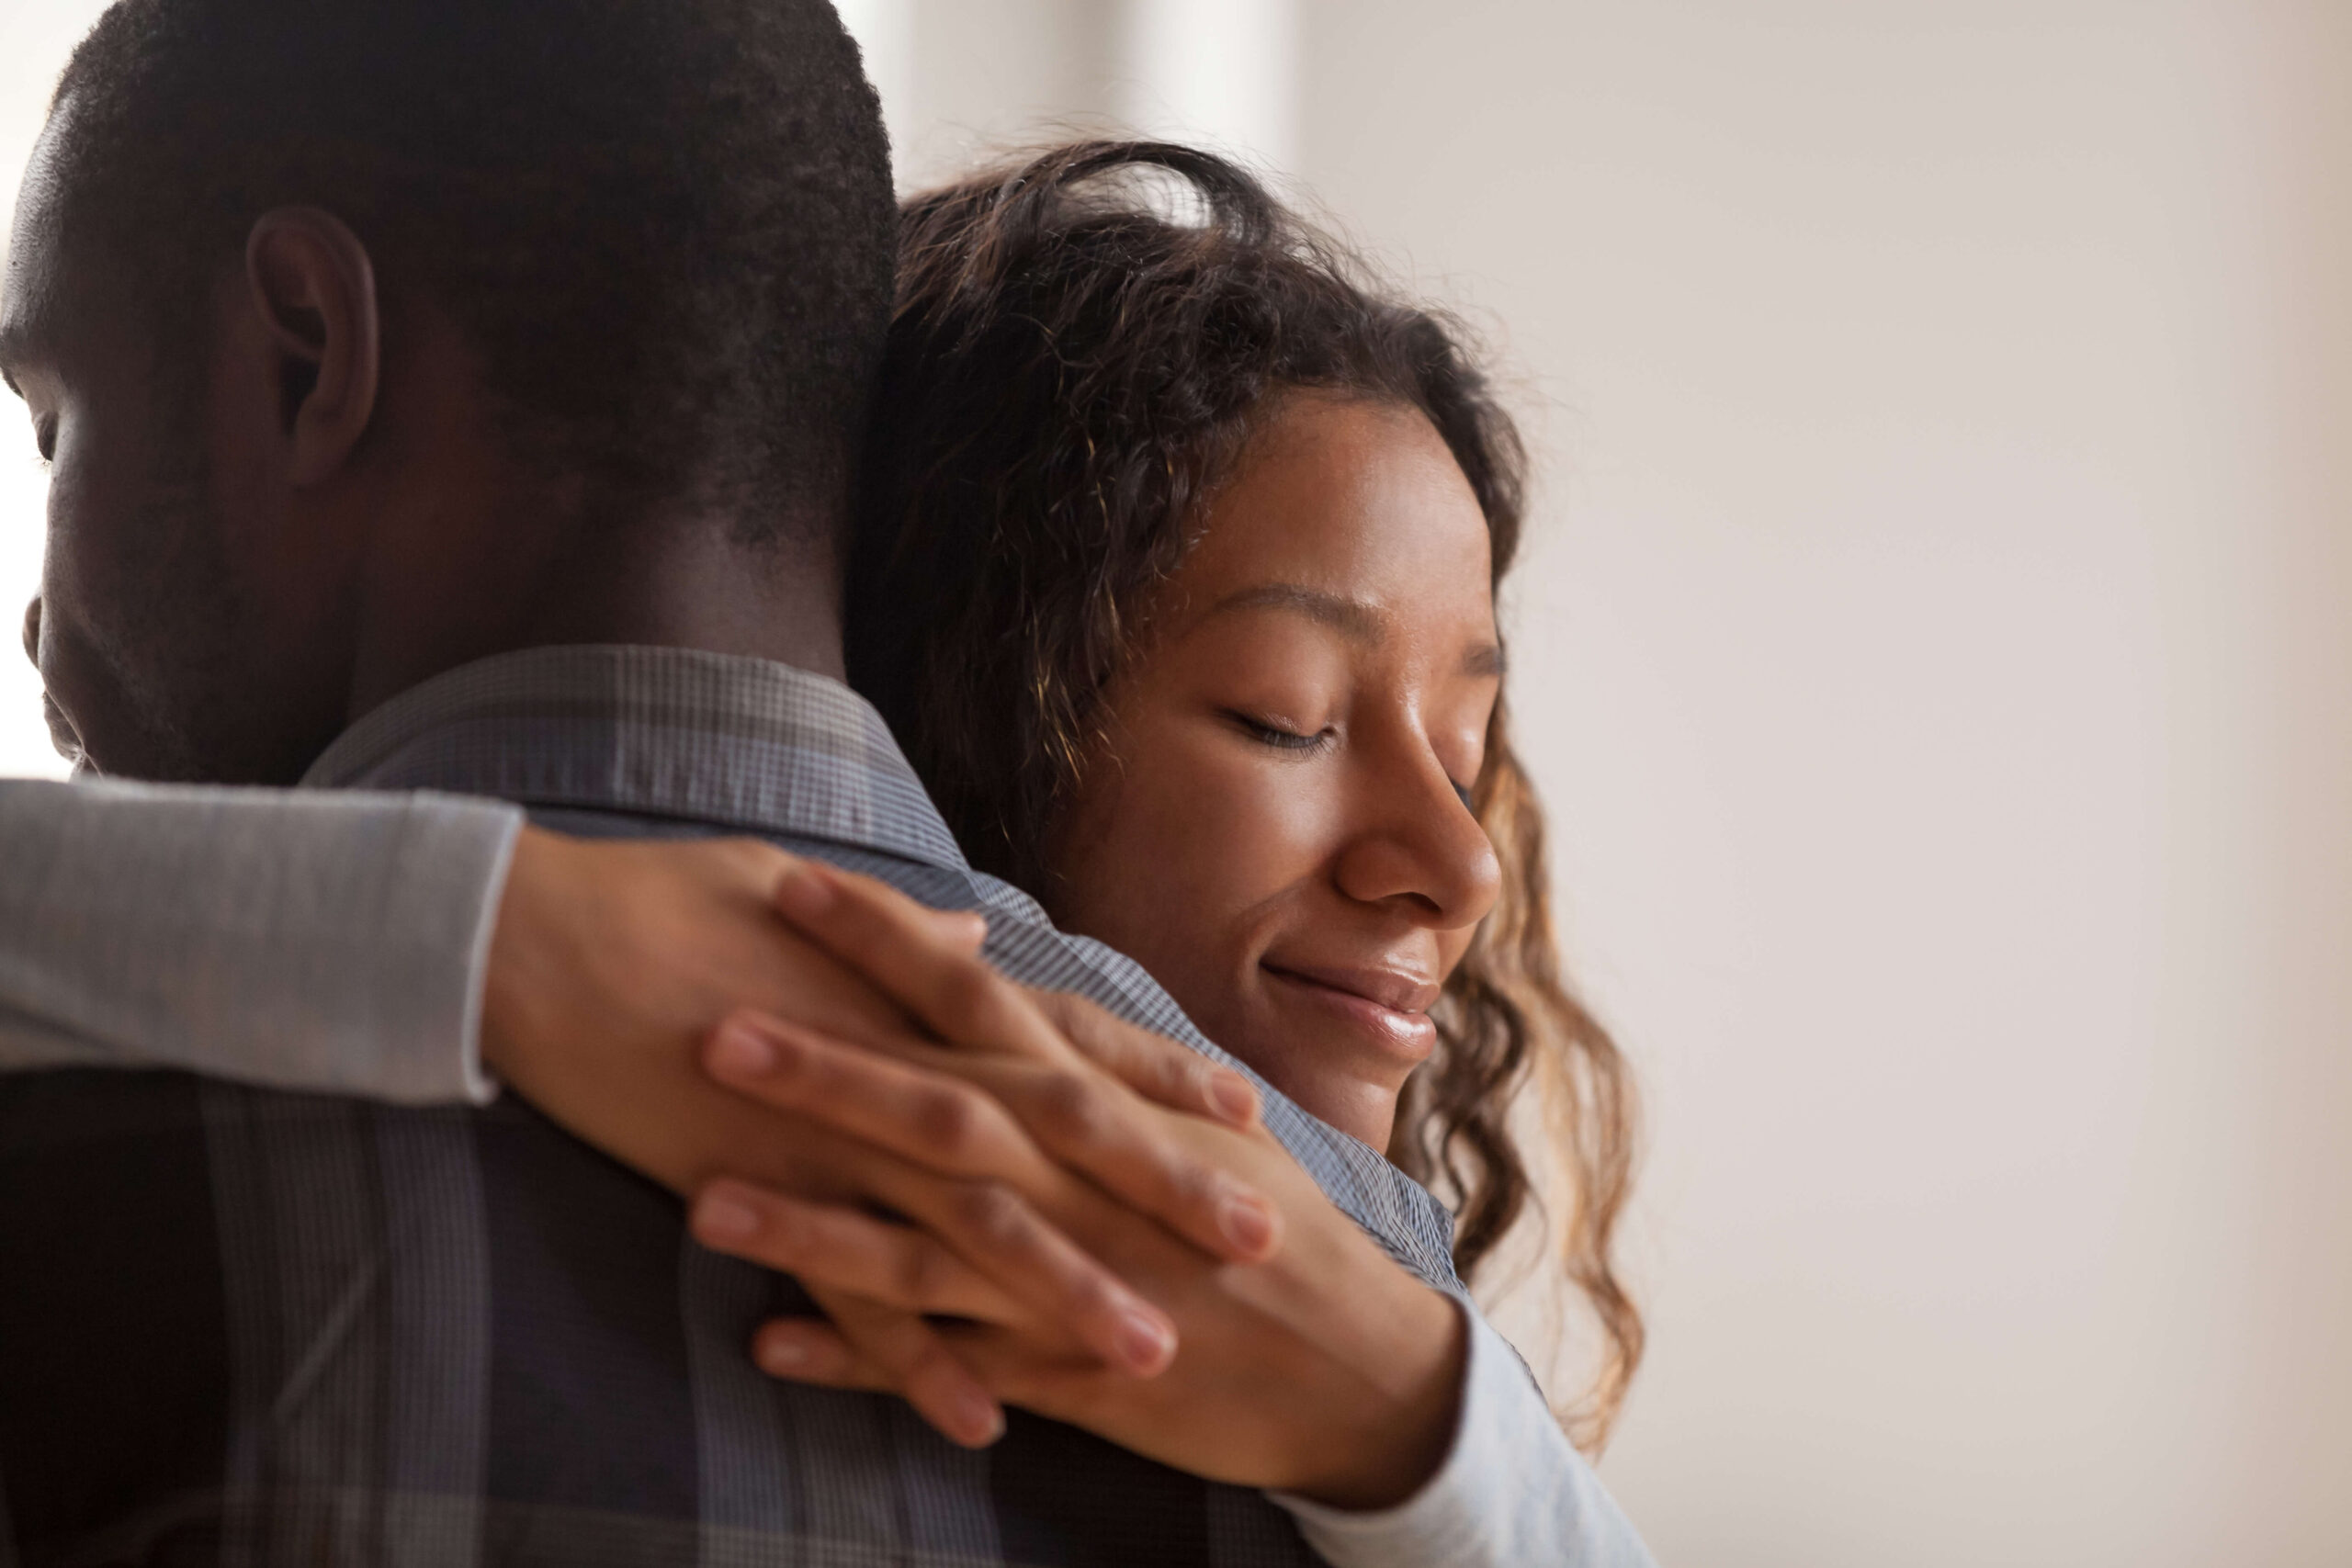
(737, 1052)
(967, 928)
(1145, 1342)
(1248, 1224)
(977, 1419)
(722, 1216)
(782, 1354)
(1233, 1097)
(804, 892)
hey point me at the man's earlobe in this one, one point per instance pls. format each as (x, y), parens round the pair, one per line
(314, 289)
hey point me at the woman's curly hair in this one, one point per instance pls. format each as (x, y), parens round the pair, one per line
(1072, 369)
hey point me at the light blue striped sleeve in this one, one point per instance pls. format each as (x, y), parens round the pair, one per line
(306, 939)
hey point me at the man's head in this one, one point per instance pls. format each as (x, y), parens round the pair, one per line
(337, 315)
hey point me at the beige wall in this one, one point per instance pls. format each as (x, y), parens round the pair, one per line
(1936, 659)
(1934, 651)
(35, 37)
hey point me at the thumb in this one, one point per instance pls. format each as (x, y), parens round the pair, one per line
(967, 929)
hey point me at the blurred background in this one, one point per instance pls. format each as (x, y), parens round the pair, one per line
(1936, 652)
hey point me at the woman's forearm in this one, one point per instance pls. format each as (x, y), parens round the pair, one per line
(1511, 1491)
(333, 942)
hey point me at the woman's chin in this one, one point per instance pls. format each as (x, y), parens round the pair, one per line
(1339, 1066)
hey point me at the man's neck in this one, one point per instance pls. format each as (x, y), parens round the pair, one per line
(698, 588)
(681, 584)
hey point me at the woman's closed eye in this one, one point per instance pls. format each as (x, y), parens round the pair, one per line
(1282, 739)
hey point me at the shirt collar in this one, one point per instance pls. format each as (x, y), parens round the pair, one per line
(707, 737)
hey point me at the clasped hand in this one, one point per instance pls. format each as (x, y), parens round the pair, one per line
(1316, 1366)
(997, 1196)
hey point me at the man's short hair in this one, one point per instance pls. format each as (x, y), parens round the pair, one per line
(666, 225)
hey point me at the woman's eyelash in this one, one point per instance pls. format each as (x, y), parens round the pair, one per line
(1275, 735)
(45, 440)
(1464, 791)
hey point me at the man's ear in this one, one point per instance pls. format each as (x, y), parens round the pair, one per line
(314, 289)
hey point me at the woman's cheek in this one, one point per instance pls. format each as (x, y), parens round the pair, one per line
(1199, 838)
(1251, 824)
(1452, 948)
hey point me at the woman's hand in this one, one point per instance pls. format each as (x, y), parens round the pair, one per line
(1326, 1369)
(613, 961)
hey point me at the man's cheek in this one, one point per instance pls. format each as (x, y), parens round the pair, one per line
(68, 690)
(85, 574)
(62, 734)
(88, 709)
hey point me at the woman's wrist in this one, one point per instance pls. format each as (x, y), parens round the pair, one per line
(1377, 1451)
(515, 985)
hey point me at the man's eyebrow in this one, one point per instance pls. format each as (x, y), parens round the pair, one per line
(1351, 618)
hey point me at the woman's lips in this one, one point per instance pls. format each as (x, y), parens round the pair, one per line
(1392, 1008)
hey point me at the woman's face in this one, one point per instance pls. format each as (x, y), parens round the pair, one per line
(1274, 824)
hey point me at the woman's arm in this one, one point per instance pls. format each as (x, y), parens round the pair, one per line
(361, 946)
(330, 943)
(1389, 1417)
(1511, 1489)
(1393, 1423)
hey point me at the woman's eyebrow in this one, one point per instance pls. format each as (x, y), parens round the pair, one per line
(1352, 618)
(1485, 659)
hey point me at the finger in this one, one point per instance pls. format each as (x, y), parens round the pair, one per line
(898, 945)
(909, 1358)
(939, 1120)
(1092, 1124)
(997, 1231)
(983, 1218)
(806, 1349)
(1164, 1071)
(837, 1248)
(966, 929)
(884, 934)
(1081, 1117)
(1013, 1368)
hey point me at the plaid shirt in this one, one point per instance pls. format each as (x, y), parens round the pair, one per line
(240, 1325)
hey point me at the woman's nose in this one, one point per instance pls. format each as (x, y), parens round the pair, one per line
(1419, 847)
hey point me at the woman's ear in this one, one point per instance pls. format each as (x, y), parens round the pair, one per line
(314, 289)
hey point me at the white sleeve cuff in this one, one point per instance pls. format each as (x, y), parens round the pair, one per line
(1511, 1494)
(472, 859)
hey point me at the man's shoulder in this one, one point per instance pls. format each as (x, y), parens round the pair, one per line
(1024, 944)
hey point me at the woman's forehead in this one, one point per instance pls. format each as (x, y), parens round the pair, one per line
(1355, 501)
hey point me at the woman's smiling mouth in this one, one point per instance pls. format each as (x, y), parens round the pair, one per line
(1389, 1007)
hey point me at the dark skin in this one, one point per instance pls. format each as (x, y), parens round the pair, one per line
(1275, 825)
(368, 535)
(61, 734)
(1325, 1371)
(353, 527)
(1273, 822)
(330, 518)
